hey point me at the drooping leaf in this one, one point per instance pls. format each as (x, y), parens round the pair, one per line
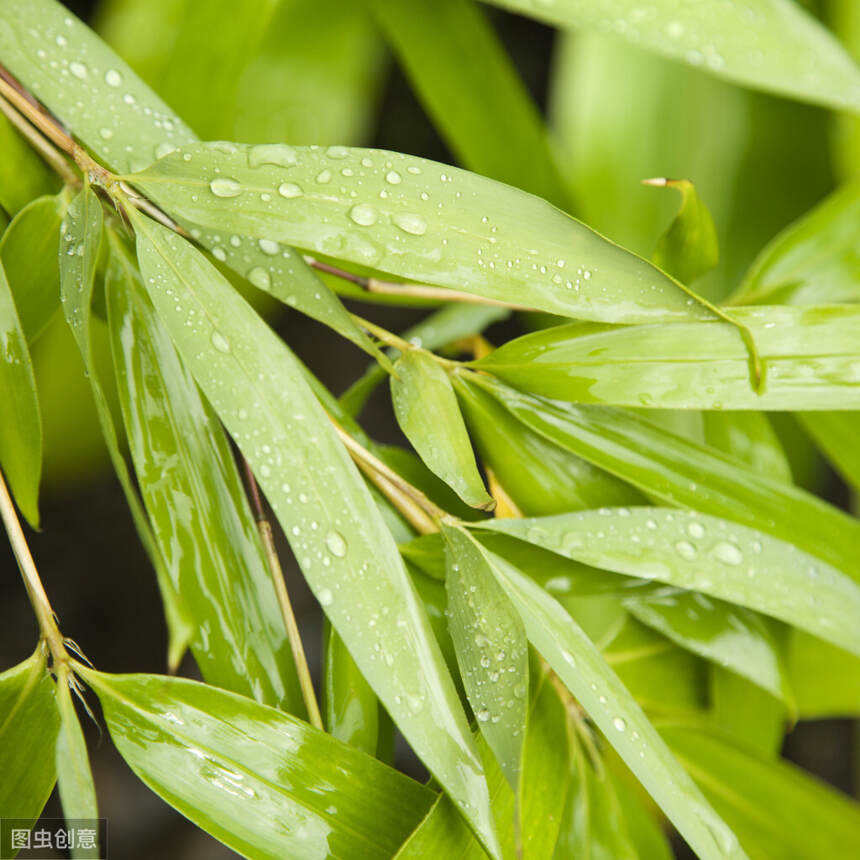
(814, 261)
(776, 810)
(607, 701)
(21, 432)
(351, 707)
(769, 44)
(416, 219)
(428, 414)
(342, 545)
(469, 86)
(677, 472)
(29, 724)
(491, 647)
(28, 250)
(196, 504)
(809, 356)
(266, 784)
(703, 553)
(688, 249)
(23, 174)
(825, 679)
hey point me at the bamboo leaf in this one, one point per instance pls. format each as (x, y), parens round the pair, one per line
(21, 437)
(196, 504)
(688, 249)
(810, 358)
(428, 414)
(23, 174)
(266, 784)
(28, 735)
(28, 250)
(678, 472)
(606, 700)
(768, 44)
(706, 554)
(775, 809)
(835, 433)
(491, 647)
(749, 437)
(350, 560)
(471, 89)
(825, 679)
(743, 711)
(416, 219)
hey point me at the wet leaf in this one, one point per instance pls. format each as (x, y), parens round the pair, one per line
(810, 358)
(491, 647)
(428, 414)
(416, 219)
(709, 555)
(266, 784)
(769, 44)
(21, 437)
(349, 559)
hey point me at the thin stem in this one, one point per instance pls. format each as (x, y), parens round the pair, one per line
(35, 590)
(264, 527)
(387, 337)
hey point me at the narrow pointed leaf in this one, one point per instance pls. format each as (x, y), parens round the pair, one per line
(678, 472)
(350, 560)
(825, 679)
(266, 784)
(750, 437)
(743, 711)
(768, 44)
(584, 672)
(688, 249)
(416, 219)
(21, 434)
(710, 555)
(810, 357)
(29, 724)
(428, 414)
(835, 433)
(775, 808)
(491, 647)
(28, 250)
(196, 503)
(470, 88)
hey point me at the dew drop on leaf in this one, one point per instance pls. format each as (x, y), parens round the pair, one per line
(289, 190)
(223, 187)
(728, 553)
(686, 550)
(410, 223)
(220, 342)
(336, 543)
(260, 278)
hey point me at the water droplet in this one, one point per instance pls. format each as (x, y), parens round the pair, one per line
(79, 70)
(267, 246)
(696, 530)
(220, 342)
(325, 597)
(324, 176)
(619, 723)
(290, 190)
(363, 214)
(223, 187)
(278, 154)
(686, 550)
(164, 148)
(728, 553)
(409, 223)
(219, 254)
(105, 133)
(260, 278)
(336, 543)
(113, 78)
(483, 715)
(393, 177)
(337, 152)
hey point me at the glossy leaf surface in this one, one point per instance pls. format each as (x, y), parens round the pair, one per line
(417, 219)
(264, 783)
(349, 559)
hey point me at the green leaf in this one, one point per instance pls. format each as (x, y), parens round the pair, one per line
(746, 713)
(814, 261)
(426, 409)
(28, 735)
(768, 44)
(835, 434)
(196, 504)
(62, 62)
(688, 249)
(351, 708)
(20, 437)
(81, 238)
(74, 777)
(23, 174)
(606, 700)
(727, 635)
(644, 828)
(776, 810)
(492, 649)
(826, 679)
(266, 784)
(542, 477)
(470, 88)
(350, 560)
(749, 437)
(703, 553)
(28, 250)
(810, 358)
(417, 219)
(678, 472)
